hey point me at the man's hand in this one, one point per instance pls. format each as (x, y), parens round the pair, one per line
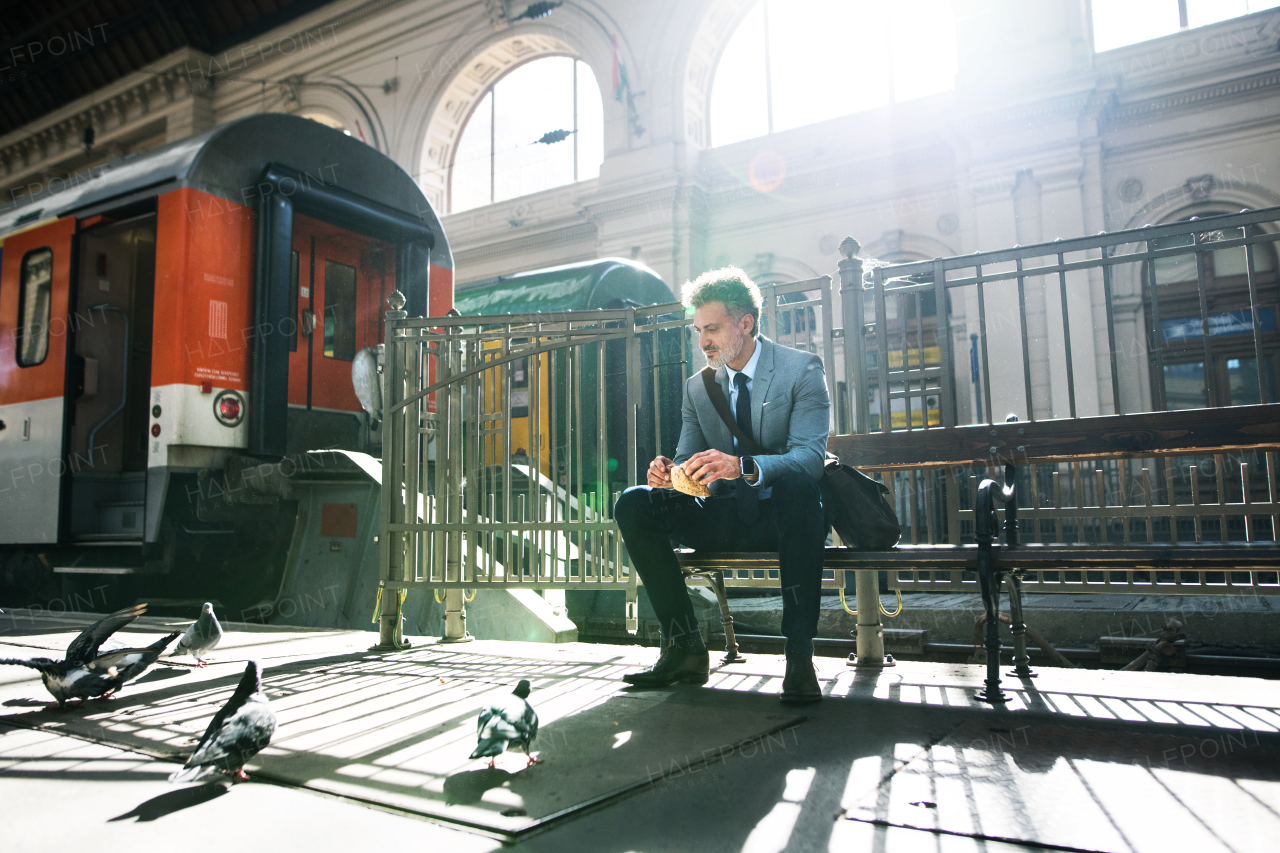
(660, 473)
(711, 465)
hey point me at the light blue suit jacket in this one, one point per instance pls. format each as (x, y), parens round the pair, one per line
(790, 415)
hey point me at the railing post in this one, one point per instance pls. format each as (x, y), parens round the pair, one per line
(866, 584)
(990, 578)
(855, 353)
(391, 544)
(449, 459)
(984, 532)
(1018, 627)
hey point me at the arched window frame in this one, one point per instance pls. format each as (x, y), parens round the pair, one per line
(485, 96)
(740, 15)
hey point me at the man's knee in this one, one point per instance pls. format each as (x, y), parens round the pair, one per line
(797, 486)
(633, 505)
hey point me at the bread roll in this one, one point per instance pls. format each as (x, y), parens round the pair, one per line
(684, 483)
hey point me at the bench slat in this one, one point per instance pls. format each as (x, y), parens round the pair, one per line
(1240, 556)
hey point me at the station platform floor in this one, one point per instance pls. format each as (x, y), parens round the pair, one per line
(371, 752)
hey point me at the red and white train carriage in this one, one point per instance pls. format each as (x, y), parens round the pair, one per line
(184, 307)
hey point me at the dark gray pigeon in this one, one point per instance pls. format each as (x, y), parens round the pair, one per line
(85, 673)
(204, 634)
(236, 733)
(509, 722)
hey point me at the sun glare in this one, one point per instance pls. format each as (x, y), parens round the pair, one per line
(791, 64)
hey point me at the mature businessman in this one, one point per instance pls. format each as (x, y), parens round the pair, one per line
(762, 503)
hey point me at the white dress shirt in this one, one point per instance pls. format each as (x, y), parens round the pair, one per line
(749, 369)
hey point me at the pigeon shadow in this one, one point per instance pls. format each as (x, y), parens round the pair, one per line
(468, 787)
(162, 674)
(173, 801)
(25, 703)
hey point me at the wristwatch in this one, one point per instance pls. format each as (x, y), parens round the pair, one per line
(748, 468)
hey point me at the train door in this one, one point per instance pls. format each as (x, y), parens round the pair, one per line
(35, 270)
(111, 380)
(341, 280)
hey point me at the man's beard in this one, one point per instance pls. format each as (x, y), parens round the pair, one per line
(723, 357)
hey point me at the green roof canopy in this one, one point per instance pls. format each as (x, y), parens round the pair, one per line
(572, 287)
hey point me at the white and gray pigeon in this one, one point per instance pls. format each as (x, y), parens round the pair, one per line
(202, 637)
(138, 661)
(509, 722)
(87, 674)
(235, 734)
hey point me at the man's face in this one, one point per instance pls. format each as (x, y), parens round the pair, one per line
(719, 338)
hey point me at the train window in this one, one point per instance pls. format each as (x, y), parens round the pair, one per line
(339, 311)
(34, 296)
(293, 277)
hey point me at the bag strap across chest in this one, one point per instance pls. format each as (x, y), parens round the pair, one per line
(716, 393)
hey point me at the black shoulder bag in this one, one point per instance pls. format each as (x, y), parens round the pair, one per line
(857, 505)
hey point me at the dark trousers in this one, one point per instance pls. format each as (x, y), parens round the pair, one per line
(791, 522)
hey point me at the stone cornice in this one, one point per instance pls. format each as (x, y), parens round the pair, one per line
(158, 85)
(1234, 89)
(987, 116)
(614, 204)
(465, 255)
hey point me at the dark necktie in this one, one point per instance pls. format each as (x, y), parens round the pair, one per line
(748, 495)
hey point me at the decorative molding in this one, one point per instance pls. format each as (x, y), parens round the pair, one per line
(1144, 109)
(499, 14)
(1200, 187)
(469, 85)
(1129, 190)
(713, 32)
(463, 255)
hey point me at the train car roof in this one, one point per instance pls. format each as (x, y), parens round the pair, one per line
(228, 162)
(571, 287)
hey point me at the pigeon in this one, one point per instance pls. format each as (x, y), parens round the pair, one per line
(201, 638)
(140, 660)
(84, 673)
(235, 734)
(506, 723)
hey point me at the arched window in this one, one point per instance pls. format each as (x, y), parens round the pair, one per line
(1232, 376)
(796, 62)
(540, 126)
(1117, 23)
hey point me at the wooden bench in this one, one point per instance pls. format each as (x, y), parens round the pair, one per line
(998, 550)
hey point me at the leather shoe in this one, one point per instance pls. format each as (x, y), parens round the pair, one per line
(800, 684)
(676, 664)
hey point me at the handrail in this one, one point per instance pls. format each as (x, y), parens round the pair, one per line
(1099, 241)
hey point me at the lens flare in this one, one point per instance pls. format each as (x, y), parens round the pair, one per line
(768, 170)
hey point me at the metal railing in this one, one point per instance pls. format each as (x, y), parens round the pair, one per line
(508, 438)
(1109, 324)
(1100, 303)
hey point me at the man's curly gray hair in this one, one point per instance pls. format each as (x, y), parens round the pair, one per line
(730, 286)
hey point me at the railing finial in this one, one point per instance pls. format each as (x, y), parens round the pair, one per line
(850, 247)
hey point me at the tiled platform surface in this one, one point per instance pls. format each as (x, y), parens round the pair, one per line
(372, 750)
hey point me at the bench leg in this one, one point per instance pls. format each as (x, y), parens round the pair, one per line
(1021, 661)
(990, 582)
(871, 654)
(730, 640)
